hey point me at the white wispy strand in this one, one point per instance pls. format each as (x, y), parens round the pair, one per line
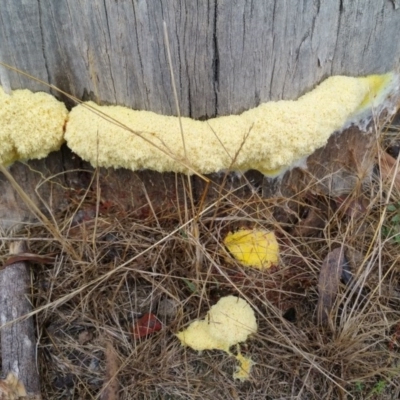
(4, 78)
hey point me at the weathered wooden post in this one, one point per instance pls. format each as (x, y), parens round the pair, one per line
(227, 56)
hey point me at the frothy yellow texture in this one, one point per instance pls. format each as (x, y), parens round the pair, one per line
(228, 323)
(269, 138)
(31, 125)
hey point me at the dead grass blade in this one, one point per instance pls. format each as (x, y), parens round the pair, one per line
(328, 284)
(35, 210)
(110, 390)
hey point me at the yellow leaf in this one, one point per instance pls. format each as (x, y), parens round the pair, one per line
(253, 248)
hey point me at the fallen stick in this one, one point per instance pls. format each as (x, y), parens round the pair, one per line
(18, 353)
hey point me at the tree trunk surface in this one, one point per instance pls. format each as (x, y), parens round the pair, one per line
(227, 57)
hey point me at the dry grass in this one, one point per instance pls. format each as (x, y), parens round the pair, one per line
(114, 266)
(173, 263)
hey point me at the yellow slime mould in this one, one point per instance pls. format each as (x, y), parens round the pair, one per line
(227, 323)
(31, 125)
(270, 138)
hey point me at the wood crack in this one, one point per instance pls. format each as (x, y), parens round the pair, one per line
(215, 64)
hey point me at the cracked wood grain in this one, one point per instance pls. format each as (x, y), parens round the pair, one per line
(227, 56)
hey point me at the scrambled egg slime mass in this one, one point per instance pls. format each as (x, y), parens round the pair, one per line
(31, 125)
(227, 323)
(270, 138)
